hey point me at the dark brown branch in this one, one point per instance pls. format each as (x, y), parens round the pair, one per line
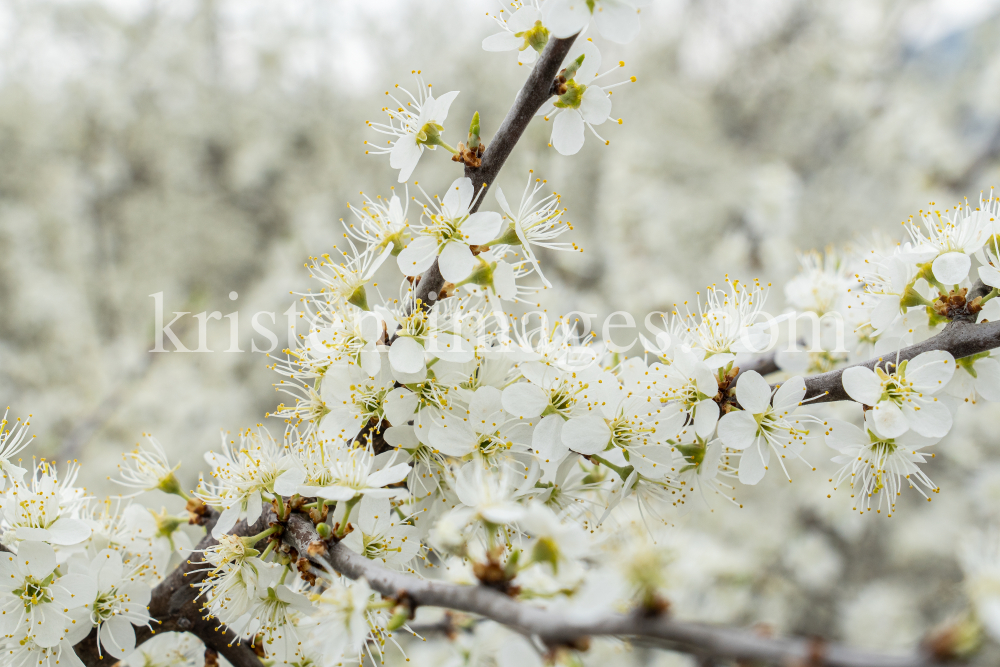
(962, 339)
(562, 627)
(536, 90)
(173, 604)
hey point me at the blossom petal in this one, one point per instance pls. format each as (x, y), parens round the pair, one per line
(567, 132)
(417, 256)
(889, 420)
(396, 473)
(988, 378)
(705, 416)
(753, 465)
(502, 41)
(565, 18)
(790, 394)
(738, 429)
(442, 105)
(989, 275)
(931, 419)
(456, 262)
(458, 198)
(588, 434)
(862, 385)
(595, 105)
(118, 637)
(481, 227)
(405, 155)
(753, 392)
(406, 355)
(524, 399)
(37, 558)
(951, 268)
(617, 21)
(400, 404)
(67, 531)
(931, 371)
(547, 441)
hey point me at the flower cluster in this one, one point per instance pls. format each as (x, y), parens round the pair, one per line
(430, 431)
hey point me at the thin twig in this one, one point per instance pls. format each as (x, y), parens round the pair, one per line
(536, 90)
(563, 627)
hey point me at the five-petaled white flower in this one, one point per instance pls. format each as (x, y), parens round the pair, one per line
(521, 30)
(617, 20)
(449, 231)
(905, 398)
(416, 124)
(875, 465)
(765, 424)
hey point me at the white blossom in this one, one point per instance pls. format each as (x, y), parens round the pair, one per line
(906, 398)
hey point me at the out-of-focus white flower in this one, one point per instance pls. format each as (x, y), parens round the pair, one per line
(491, 495)
(617, 20)
(347, 473)
(414, 125)
(156, 536)
(12, 440)
(147, 468)
(905, 398)
(977, 375)
(36, 603)
(169, 649)
(242, 472)
(555, 542)
(726, 323)
(44, 508)
(822, 284)
(979, 556)
(449, 231)
(760, 426)
(521, 29)
(876, 465)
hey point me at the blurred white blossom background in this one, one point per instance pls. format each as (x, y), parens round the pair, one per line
(204, 147)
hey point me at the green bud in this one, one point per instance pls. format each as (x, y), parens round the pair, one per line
(430, 135)
(911, 297)
(510, 567)
(169, 484)
(359, 298)
(167, 524)
(573, 96)
(933, 319)
(482, 275)
(509, 237)
(573, 67)
(324, 530)
(474, 132)
(535, 37)
(546, 551)
(399, 619)
(398, 241)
